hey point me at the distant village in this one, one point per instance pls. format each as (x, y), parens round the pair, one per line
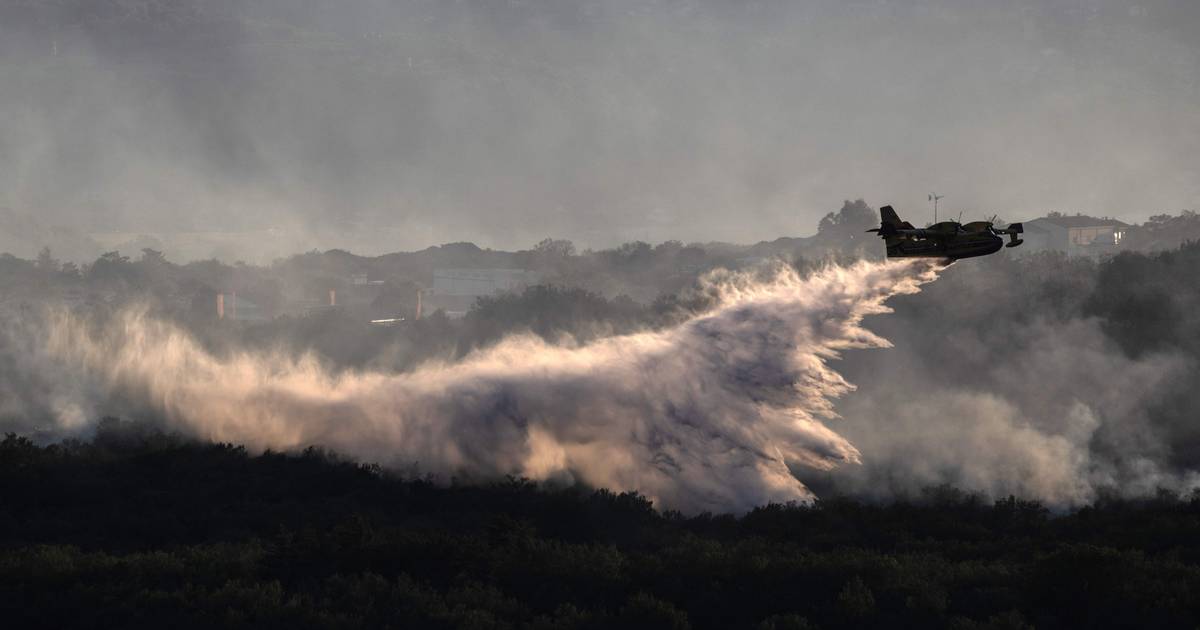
(448, 280)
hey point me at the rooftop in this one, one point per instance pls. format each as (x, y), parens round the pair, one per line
(1080, 220)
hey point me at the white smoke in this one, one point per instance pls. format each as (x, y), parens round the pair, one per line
(707, 415)
(1064, 420)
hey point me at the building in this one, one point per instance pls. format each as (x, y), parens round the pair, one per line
(1076, 235)
(231, 306)
(455, 290)
(363, 280)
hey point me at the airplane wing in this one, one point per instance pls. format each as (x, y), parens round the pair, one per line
(891, 230)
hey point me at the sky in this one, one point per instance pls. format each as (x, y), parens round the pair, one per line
(379, 126)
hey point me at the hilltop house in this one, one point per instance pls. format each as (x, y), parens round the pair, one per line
(1077, 235)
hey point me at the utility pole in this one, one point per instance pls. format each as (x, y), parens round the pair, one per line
(934, 197)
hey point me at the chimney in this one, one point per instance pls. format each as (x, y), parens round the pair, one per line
(418, 305)
(220, 306)
(233, 305)
(333, 297)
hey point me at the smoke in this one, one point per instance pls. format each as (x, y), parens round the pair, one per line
(377, 126)
(707, 415)
(1000, 384)
(731, 408)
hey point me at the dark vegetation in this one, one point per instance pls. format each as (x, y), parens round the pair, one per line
(141, 529)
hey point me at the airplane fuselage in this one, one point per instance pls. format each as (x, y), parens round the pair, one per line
(960, 246)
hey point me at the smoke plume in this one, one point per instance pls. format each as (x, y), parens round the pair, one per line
(375, 126)
(707, 415)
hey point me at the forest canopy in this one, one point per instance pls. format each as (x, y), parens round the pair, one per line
(138, 528)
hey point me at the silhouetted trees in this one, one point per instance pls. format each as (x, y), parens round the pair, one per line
(141, 528)
(845, 231)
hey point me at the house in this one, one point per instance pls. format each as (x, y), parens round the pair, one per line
(231, 306)
(455, 290)
(1076, 235)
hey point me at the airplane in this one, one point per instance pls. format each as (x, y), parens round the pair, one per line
(947, 239)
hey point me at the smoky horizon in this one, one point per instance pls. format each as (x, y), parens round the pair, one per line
(385, 126)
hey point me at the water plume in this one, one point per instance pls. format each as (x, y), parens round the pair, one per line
(705, 415)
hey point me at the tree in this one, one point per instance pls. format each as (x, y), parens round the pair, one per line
(46, 260)
(852, 219)
(112, 258)
(845, 229)
(110, 267)
(153, 256)
(557, 248)
(856, 600)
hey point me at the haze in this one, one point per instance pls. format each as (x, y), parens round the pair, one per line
(380, 126)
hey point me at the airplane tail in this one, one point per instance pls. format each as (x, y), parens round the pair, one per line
(889, 217)
(890, 222)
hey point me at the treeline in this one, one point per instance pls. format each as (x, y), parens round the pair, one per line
(582, 294)
(142, 529)
(1141, 297)
(639, 269)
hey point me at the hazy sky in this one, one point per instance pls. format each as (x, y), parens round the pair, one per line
(385, 125)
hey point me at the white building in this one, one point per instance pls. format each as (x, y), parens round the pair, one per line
(231, 306)
(1077, 235)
